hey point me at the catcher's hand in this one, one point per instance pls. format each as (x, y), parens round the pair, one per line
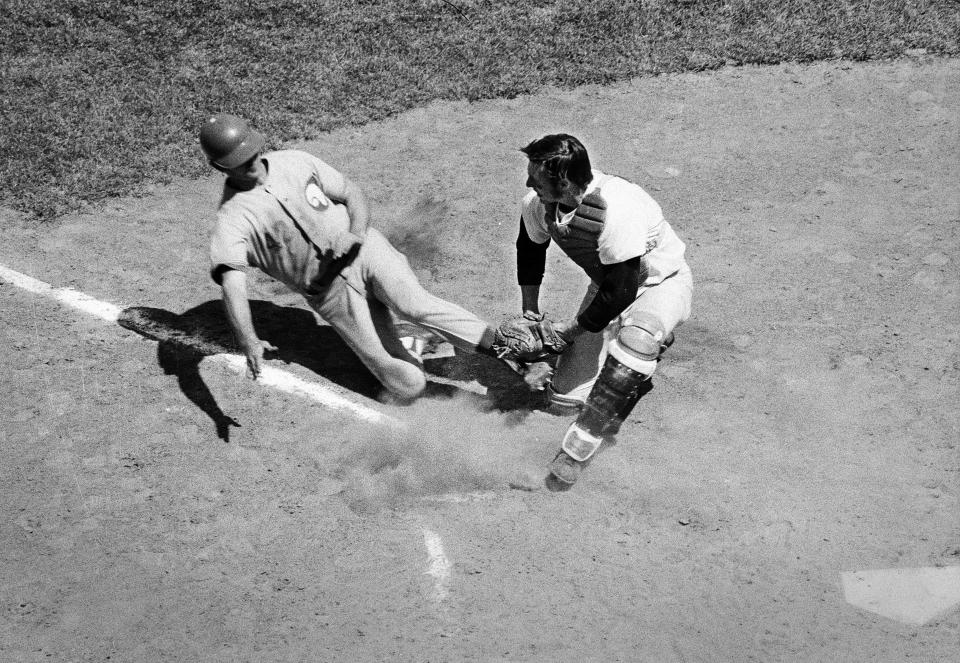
(527, 339)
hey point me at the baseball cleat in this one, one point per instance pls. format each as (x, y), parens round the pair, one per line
(566, 469)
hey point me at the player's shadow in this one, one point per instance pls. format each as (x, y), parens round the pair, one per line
(184, 339)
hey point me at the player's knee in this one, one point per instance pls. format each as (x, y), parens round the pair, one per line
(639, 342)
(408, 385)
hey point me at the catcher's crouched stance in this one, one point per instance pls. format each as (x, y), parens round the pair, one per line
(640, 289)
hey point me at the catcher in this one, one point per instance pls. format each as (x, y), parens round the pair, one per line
(640, 289)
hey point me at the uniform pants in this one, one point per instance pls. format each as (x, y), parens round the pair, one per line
(578, 368)
(360, 304)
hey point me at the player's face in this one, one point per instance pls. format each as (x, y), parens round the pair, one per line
(251, 171)
(540, 181)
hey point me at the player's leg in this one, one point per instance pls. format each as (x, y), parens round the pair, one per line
(365, 326)
(388, 275)
(645, 329)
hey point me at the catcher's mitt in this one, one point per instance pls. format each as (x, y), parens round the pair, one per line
(527, 339)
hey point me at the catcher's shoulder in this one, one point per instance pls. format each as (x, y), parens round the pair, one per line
(531, 201)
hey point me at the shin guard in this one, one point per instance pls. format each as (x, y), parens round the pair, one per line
(613, 397)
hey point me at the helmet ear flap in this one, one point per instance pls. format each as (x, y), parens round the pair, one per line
(228, 141)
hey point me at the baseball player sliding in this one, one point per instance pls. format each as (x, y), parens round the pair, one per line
(640, 289)
(307, 225)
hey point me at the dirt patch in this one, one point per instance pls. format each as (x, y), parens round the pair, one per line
(804, 423)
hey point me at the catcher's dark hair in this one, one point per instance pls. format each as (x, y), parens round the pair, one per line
(563, 156)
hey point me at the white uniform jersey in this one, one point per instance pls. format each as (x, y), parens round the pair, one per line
(630, 224)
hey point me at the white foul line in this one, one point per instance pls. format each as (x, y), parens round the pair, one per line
(270, 377)
(291, 384)
(439, 564)
(68, 296)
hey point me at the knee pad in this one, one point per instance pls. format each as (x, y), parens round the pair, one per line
(639, 342)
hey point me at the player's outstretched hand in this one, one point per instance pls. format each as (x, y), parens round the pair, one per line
(256, 353)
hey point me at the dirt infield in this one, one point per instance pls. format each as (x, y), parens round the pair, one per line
(803, 426)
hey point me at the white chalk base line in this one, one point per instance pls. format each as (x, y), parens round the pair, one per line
(440, 564)
(269, 376)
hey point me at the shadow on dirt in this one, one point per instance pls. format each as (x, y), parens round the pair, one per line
(186, 338)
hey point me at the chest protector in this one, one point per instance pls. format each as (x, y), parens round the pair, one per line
(579, 238)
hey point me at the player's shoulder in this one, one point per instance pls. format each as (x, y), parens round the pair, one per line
(616, 189)
(236, 209)
(231, 213)
(614, 184)
(303, 161)
(287, 155)
(286, 159)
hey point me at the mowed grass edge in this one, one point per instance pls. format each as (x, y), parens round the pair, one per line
(102, 98)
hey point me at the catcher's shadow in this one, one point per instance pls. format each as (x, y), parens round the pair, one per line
(185, 339)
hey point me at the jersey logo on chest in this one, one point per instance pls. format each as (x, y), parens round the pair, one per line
(314, 194)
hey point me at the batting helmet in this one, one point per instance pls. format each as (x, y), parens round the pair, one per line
(228, 141)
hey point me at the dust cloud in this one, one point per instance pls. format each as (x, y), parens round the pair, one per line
(442, 447)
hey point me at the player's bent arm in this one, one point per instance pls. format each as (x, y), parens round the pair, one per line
(233, 283)
(339, 188)
(357, 207)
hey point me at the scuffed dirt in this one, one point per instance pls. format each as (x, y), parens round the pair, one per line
(158, 508)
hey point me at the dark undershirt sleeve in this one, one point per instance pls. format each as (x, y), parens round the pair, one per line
(531, 258)
(617, 291)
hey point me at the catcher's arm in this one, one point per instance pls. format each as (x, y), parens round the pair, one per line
(531, 264)
(530, 299)
(618, 289)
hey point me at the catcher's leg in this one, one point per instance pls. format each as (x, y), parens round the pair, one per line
(645, 331)
(577, 368)
(631, 360)
(577, 371)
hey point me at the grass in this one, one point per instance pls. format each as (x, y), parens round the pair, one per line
(103, 98)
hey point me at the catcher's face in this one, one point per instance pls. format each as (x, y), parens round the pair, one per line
(551, 190)
(546, 188)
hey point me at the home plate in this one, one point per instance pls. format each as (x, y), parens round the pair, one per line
(911, 596)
